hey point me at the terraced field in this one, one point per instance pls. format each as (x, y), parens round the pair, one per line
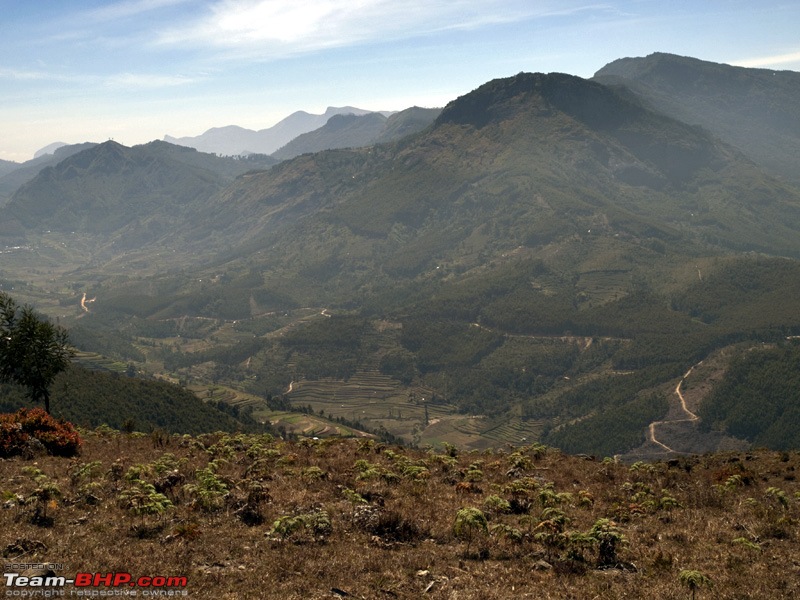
(603, 286)
(367, 392)
(225, 394)
(513, 430)
(98, 362)
(379, 402)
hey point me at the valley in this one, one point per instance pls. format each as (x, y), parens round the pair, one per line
(466, 300)
(546, 259)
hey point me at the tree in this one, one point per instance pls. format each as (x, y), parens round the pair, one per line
(32, 349)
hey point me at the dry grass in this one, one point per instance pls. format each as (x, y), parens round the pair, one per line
(383, 527)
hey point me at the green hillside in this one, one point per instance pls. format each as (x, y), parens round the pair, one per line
(91, 398)
(546, 260)
(754, 109)
(759, 398)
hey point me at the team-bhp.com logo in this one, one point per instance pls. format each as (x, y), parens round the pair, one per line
(88, 584)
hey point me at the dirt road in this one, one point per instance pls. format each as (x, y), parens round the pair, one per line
(690, 416)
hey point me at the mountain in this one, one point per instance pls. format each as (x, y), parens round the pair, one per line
(6, 166)
(406, 122)
(131, 195)
(353, 131)
(755, 110)
(563, 155)
(234, 140)
(547, 260)
(24, 172)
(536, 206)
(49, 149)
(102, 189)
(341, 131)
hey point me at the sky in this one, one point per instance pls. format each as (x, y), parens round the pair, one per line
(135, 70)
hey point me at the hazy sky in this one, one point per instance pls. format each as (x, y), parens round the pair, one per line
(135, 70)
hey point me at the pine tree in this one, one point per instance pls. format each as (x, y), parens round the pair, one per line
(32, 349)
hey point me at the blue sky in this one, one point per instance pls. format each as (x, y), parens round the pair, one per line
(135, 70)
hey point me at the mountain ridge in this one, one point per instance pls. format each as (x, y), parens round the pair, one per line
(353, 131)
(21, 173)
(234, 140)
(108, 188)
(49, 149)
(753, 109)
(551, 252)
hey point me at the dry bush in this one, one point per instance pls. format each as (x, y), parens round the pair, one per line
(251, 516)
(30, 431)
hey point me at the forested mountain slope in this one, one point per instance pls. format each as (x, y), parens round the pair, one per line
(550, 256)
(753, 109)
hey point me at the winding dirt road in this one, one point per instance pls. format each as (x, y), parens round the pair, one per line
(84, 302)
(690, 416)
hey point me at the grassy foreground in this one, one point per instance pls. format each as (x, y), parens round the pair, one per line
(247, 516)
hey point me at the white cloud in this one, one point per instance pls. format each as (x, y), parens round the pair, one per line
(48, 76)
(23, 75)
(276, 28)
(125, 80)
(770, 61)
(130, 8)
(146, 80)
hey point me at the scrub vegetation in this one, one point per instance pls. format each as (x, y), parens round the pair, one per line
(251, 515)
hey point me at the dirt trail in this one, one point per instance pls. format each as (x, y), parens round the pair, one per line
(690, 416)
(583, 341)
(84, 302)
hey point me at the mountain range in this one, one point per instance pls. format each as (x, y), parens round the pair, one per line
(234, 140)
(342, 129)
(353, 131)
(546, 257)
(120, 193)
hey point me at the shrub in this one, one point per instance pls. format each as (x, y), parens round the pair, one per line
(469, 523)
(609, 538)
(391, 526)
(287, 526)
(45, 495)
(142, 499)
(314, 526)
(496, 505)
(693, 580)
(17, 430)
(209, 490)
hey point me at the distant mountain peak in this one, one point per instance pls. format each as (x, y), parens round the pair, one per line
(341, 131)
(756, 110)
(661, 62)
(233, 140)
(49, 149)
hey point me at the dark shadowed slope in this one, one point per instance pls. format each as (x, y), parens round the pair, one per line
(756, 110)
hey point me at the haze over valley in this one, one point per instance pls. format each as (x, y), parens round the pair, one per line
(483, 299)
(580, 262)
